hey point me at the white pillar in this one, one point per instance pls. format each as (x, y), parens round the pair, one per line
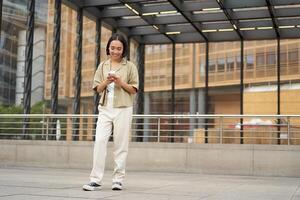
(38, 66)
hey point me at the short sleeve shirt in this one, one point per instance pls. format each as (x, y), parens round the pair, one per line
(128, 73)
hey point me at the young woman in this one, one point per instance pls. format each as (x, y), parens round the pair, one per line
(116, 79)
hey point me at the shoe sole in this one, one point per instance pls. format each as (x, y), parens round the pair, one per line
(116, 188)
(90, 189)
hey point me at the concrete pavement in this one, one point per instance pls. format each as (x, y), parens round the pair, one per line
(53, 184)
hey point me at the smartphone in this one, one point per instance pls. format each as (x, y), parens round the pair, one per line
(111, 73)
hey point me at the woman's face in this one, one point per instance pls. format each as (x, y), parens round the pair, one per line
(116, 50)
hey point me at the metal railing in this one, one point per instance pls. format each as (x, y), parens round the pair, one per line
(223, 129)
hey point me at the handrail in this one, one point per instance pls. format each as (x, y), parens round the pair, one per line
(188, 128)
(151, 115)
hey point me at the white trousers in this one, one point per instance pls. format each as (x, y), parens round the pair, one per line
(119, 120)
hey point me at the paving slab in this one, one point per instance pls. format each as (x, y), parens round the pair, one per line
(21, 183)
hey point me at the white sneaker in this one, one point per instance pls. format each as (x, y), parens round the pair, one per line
(117, 186)
(92, 186)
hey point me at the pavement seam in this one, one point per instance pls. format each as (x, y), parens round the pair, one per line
(52, 188)
(150, 191)
(163, 194)
(41, 195)
(222, 191)
(293, 195)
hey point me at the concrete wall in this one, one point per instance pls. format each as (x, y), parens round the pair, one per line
(264, 160)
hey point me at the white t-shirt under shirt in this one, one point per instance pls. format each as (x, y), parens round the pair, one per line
(110, 95)
(110, 92)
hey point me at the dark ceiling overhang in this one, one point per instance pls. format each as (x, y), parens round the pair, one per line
(167, 21)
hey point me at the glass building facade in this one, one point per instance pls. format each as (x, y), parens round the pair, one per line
(12, 51)
(260, 68)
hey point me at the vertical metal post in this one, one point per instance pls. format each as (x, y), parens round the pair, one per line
(242, 92)
(173, 91)
(55, 63)
(97, 62)
(206, 89)
(173, 79)
(128, 46)
(28, 64)
(140, 95)
(192, 99)
(56, 56)
(288, 130)
(158, 130)
(1, 3)
(76, 102)
(47, 128)
(278, 90)
(221, 130)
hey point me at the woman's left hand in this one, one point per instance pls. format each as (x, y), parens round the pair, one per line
(117, 80)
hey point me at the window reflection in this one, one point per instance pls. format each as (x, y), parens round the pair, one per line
(12, 34)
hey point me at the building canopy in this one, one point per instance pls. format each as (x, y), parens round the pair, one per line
(181, 21)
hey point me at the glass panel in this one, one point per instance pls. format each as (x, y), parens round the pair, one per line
(67, 57)
(290, 89)
(159, 102)
(12, 52)
(133, 52)
(260, 92)
(224, 89)
(158, 67)
(200, 65)
(260, 59)
(224, 63)
(88, 59)
(88, 70)
(105, 35)
(184, 70)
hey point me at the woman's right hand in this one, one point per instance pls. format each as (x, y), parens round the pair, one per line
(109, 80)
(104, 84)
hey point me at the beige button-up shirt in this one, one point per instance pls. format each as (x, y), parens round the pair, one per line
(128, 73)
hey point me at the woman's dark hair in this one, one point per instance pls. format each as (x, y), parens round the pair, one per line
(121, 38)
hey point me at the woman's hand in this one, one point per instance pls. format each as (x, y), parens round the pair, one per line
(116, 79)
(109, 79)
(104, 84)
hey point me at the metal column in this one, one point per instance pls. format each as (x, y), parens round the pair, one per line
(28, 63)
(1, 3)
(97, 62)
(206, 89)
(173, 79)
(128, 47)
(55, 58)
(78, 65)
(140, 95)
(173, 90)
(278, 90)
(242, 92)
(55, 63)
(192, 99)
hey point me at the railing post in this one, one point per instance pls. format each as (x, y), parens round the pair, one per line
(221, 130)
(158, 130)
(288, 130)
(47, 128)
